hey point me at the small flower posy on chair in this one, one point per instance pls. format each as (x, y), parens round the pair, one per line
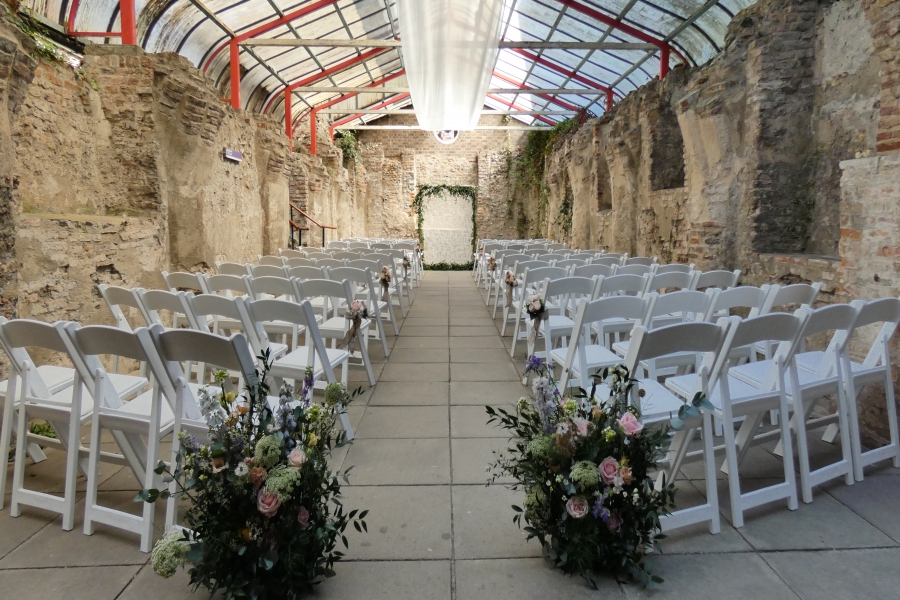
(263, 517)
(584, 464)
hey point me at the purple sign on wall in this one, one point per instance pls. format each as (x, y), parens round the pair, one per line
(233, 155)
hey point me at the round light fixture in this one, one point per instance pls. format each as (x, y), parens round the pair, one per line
(447, 136)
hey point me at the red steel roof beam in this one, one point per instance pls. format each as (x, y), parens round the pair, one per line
(515, 107)
(664, 47)
(555, 67)
(313, 129)
(379, 105)
(128, 33)
(525, 88)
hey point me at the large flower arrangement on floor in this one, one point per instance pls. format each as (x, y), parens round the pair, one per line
(584, 465)
(264, 516)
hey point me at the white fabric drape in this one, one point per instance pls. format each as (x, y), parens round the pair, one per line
(450, 48)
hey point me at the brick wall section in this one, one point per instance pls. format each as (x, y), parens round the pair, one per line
(885, 18)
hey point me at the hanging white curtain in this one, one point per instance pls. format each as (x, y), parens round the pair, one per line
(450, 48)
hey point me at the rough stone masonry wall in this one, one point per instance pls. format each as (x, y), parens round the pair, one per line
(397, 162)
(116, 172)
(789, 160)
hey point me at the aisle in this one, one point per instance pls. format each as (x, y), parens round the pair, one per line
(435, 530)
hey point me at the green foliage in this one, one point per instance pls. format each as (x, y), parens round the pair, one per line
(465, 191)
(346, 141)
(584, 464)
(564, 216)
(258, 528)
(41, 428)
(442, 266)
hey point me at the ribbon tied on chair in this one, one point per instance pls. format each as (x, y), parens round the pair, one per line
(355, 315)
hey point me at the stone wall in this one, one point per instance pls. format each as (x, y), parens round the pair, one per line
(397, 162)
(114, 172)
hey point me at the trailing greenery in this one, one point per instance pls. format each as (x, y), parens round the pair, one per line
(426, 191)
(442, 266)
(38, 428)
(564, 216)
(346, 141)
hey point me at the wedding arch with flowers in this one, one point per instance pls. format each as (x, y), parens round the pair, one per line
(464, 191)
(264, 515)
(585, 467)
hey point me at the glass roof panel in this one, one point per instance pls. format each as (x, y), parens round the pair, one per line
(180, 26)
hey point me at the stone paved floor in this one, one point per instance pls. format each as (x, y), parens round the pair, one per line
(436, 531)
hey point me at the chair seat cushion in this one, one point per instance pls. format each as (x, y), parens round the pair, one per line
(55, 378)
(595, 356)
(293, 365)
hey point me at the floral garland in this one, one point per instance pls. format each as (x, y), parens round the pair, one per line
(585, 463)
(263, 512)
(426, 191)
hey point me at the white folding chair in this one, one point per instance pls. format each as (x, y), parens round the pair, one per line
(657, 404)
(592, 270)
(339, 295)
(557, 294)
(674, 280)
(147, 415)
(288, 254)
(582, 358)
(299, 261)
(531, 279)
(720, 279)
(674, 268)
(395, 289)
(634, 270)
(268, 271)
(263, 288)
(229, 268)
(273, 261)
(735, 401)
(361, 284)
(374, 269)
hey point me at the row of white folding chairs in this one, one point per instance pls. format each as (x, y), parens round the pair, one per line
(302, 283)
(534, 278)
(792, 382)
(68, 398)
(399, 289)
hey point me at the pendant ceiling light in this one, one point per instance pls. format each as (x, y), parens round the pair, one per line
(449, 51)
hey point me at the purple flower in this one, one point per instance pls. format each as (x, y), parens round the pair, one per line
(303, 518)
(598, 509)
(534, 363)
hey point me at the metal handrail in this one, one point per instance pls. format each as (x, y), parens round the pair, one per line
(302, 229)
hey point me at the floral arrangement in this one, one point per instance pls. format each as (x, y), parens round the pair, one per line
(492, 264)
(385, 276)
(355, 314)
(510, 279)
(406, 263)
(535, 306)
(584, 464)
(263, 511)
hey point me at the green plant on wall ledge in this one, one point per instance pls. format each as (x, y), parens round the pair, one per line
(564, 217)
(346, 141)
(442, 266)
(465, 191)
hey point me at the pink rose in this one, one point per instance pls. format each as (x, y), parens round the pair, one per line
(303, 518)
(577, 507)
(267, 503)
(354, 306)
(609, 467)
(630, 424)
(296, 458)
(581, 427)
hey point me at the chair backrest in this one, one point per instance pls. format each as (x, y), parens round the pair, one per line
(117, 297)
(405, 246)
(568, 263)
(609, 261)
(371, 265)
(802, 294)
(307, 272)
(380, 245)
(87, 344)
(556, 246)
(593, 270)
(656, 282)
(632, 285)
(297, 313)
(508, 262)
(154, 301)
(337, 244)
(176, 346)
(317, 254)
(272, 261)
(268, 271)
(229, 268)
(329, 262)
(639, 260)
(193, 282)
(674, 268)
(288, 254)
(783, 328)
(345, 255)
(211, 305)
(720, 279)
(357, 245)
(585, 256)
(352, 274)
(520, 267)
(634, 270)
(690, 305)
(887, 312)
(281, 287)
(300, 262)
(18, 335)
(332, 292)
(226, 283)
(547, 257)
(839, 319)
(748, 297)
(537, 277)
(567, 286)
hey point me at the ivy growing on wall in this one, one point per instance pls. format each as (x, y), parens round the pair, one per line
(346, 141)
(427, 191)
